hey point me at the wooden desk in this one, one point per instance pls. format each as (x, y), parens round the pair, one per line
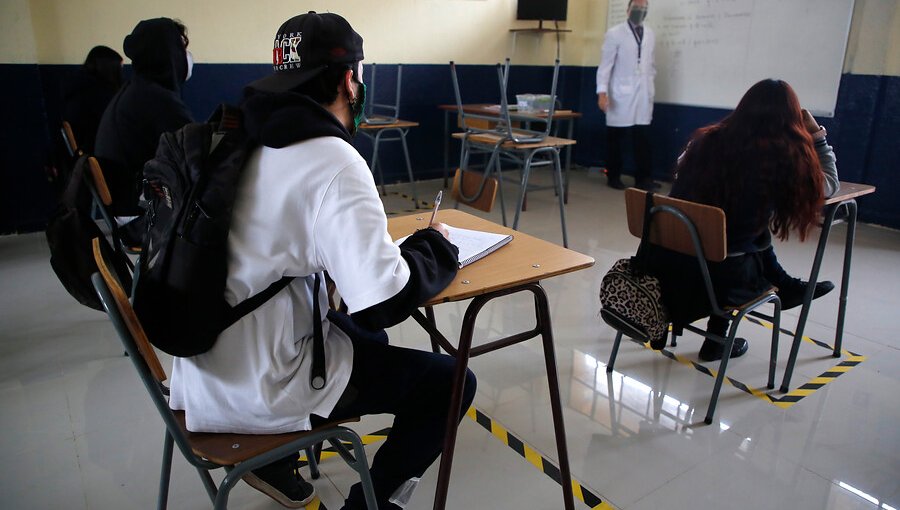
(493, 109)
(846, 196)
(376, 132)
(517, 267)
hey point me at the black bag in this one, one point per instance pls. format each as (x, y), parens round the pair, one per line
(191, 185)
(69, 235)
(631, 299)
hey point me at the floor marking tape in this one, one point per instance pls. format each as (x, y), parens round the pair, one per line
(790, 398)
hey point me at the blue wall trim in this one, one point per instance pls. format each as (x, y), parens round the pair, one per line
(864, 130)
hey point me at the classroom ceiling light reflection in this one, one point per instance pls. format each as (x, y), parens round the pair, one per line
(865, 496)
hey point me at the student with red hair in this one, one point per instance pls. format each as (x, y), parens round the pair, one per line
(768, 166)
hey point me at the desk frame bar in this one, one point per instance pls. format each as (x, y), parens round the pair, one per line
(830, 213)
(464, 351)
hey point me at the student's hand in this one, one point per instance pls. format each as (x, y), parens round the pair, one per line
(440, 227)
(603, 101)
(809, 122)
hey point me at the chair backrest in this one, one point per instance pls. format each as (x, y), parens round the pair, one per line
(477, 122)
(467, 184)
(520, 135)
(69, 138)
(381, 112)
(98, 182)
(124, 318)
(670, 232)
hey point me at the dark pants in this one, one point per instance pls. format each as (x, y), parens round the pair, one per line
(415, 387)
(617, 139)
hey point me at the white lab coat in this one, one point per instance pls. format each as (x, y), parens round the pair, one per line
(628, 84)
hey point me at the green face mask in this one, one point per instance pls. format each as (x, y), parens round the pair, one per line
(358, 108)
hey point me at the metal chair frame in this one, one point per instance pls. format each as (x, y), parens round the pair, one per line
(152, 377)
(734, 316)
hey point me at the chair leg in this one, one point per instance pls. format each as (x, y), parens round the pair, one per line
(557, 176)
(409, 172)
(313, 461)
(380, 175)
(720, 377)
(776, 331)
(524, 183)
(615, 351)
(165, 473)
(357, 461)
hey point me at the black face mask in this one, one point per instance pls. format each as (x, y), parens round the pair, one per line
(637, 15)
(358, 107)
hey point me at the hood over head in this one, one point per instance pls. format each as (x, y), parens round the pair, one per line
(157, 52)
(280, 119)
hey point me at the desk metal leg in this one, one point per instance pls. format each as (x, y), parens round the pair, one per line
(568, 166)
(807, 298)
(446, 146)
(845, 276)
(409, 172)
(375, 142)
(464, 351)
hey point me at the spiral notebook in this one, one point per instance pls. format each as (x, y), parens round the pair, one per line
(473, 244)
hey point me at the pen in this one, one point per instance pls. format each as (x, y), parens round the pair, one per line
(437, 204)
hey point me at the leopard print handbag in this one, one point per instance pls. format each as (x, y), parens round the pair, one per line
(631, 299)
(632, 303)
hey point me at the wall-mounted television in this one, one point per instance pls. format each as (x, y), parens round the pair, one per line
(549, 10)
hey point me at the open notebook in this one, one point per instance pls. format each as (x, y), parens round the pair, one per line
(473, 244)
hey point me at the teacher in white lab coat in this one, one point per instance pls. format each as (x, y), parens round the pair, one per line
(625, 94)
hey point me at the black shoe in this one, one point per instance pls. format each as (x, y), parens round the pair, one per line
(282, 482)
(712, 350)
(792, 291)
(647, 185)
(615, 183)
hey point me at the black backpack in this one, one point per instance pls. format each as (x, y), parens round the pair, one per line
(191, 185)
(69, 235)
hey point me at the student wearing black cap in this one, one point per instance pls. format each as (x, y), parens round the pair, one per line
(307, 203)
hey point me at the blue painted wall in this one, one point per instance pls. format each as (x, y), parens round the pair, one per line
(865, 130)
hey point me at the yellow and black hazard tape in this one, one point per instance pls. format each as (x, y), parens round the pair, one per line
(417, 204)
(790, 398)
(546, 466)
(583, 493)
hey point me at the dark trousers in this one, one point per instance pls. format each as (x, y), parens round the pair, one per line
(617, 138)
(411, 384)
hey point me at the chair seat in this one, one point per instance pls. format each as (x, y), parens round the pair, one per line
(376, 124)
(492, 139)
(231, 449)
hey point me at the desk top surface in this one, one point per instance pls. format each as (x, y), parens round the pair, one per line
(493, 138)
(850, 190)
(494, 109)
(525, 259)
(365, 126)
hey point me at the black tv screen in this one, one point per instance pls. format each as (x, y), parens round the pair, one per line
(542, 9)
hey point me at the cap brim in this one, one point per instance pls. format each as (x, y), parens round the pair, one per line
(285, 80)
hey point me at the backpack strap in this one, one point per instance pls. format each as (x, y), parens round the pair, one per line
(252, 303)
(317, 377)
(638, 262)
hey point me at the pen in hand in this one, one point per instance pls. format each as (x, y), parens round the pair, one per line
(437, 204)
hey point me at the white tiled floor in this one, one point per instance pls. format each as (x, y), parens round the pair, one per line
(79, 431)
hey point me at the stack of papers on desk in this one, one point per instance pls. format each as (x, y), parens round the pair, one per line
(472, 244)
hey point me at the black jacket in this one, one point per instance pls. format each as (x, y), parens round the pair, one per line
(279, 120)
(147, 105)
(85, 98)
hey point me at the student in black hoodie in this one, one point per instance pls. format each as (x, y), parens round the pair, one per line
(89, 91)
(148, 105)
(306, 204)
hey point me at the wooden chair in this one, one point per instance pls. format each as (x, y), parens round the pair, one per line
(698, 230)
(238, 454)
(69, 138)
(466, 183)
(527, 148)
(102, 198)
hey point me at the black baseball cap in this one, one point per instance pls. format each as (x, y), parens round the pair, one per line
(307, 44)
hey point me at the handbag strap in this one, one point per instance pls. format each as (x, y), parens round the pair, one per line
(639, 260)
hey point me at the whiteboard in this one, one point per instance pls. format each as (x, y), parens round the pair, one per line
(709, 52)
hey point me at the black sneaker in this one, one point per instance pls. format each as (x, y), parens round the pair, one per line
(792, 291)
(282, 482)
(615, 183)
(647, 185)
(712, 350)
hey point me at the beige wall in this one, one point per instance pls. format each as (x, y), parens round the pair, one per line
(408, 31)
(16, 33)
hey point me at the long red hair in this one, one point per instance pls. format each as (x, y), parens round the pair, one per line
(762, 144)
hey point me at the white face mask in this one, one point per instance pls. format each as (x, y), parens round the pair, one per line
(190, 65)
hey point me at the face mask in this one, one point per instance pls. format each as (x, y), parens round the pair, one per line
(637, 15)
(190, 65)
(358, 108)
